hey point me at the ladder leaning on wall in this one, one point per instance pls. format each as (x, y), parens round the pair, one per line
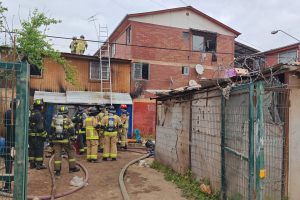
(104, 58)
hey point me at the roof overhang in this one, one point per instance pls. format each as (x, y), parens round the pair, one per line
(83, 97)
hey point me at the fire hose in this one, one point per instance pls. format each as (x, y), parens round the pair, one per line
(53, 186)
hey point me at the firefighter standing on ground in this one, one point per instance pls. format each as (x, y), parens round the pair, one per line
(124, 129)
(100, 131)
(110, 124)
(78, 120)
(81, 45)
(37, 136)
(62, 132)
(92, 137)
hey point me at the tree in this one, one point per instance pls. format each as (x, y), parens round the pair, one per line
(33, 45)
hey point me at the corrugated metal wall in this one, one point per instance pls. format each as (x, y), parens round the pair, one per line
(53, 78)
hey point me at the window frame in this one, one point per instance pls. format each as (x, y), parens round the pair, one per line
(183, 70)
(36, 76)
(289, 51)
(113, 49)
(208, 36)
(128, 34)
(133, 71)
(203, 43)
(99, 78)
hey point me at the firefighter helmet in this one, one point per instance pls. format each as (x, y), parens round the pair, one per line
(111, 109)
(93, 111)
(38, 102)
(64, 110)
(123, 106)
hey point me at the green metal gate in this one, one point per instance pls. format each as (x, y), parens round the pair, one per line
(14, 113)
(253, 146)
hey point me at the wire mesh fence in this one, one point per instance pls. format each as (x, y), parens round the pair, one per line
(237, 146)
(13, 143)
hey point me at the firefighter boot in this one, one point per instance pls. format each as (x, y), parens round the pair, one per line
(74, 169)
(32, 165)
(40, 167)
(57, 173)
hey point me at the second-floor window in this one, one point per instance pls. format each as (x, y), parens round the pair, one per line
(113, 49)
(204, 41)
(288, 57)
(128, 35)
(95, 70)
(185, 70)
(141, 71)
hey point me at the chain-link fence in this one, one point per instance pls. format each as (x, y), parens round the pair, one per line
(236, 145)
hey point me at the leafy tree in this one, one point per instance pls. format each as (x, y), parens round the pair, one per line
(34, 46)
(2, 10)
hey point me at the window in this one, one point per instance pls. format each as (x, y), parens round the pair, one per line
(186, 35)
(141, 71)
(204, 41)
(198, 43)
(113, 50)
(128, 35)
(185, 70)
(95, 71)
(35, 71)
(288, 57)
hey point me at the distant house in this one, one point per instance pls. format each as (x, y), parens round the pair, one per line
(286, 54)
(164, 47)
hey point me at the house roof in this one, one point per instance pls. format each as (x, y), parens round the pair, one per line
(83, 97)
(242, 49)
(281, 49)
(95, 58)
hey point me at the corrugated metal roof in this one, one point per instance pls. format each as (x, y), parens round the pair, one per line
(83, 97)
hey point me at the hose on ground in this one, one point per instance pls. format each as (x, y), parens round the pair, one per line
(49, 197)
(121, 176)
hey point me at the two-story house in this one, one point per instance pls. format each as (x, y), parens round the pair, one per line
(164, 47)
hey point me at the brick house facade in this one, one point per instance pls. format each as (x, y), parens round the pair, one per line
(165, 46)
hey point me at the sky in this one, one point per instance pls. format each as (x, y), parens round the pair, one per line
(255, 19)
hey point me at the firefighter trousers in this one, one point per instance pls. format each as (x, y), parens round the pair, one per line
(81, 142)
(58, 148)
(101, 140)
(124, 139)
(92, 149)
(110, 144)
(36, 150)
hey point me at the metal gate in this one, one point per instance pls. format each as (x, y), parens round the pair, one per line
(253, 145)
(14, 113)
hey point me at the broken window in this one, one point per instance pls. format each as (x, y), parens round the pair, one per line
(95, 70)
(204, 41)
(35, 71)
(141, 71)
(128, 35)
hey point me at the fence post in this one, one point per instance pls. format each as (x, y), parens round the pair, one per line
(251, 143)
(260, 135)
(21, 159)
(223, 174)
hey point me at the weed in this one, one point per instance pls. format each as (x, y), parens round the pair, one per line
(187, 183)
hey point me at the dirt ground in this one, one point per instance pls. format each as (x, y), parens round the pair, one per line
(141, 182)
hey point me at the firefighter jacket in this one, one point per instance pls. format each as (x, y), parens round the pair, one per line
(90, 125)
(125, 119)
(62, 129)
(78, 120)
(36, 124)
(110, 124)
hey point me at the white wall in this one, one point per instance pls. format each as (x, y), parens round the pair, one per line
(294, 145)
(180, 19)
